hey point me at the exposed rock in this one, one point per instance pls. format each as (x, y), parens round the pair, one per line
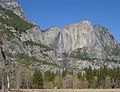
(14, 6)
(75, 47)
(95, 38)
(51, 37)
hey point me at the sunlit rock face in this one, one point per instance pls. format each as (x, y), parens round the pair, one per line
(51, 37)
(14, 6)
(79, 35)
(34, 34)
(94, 40)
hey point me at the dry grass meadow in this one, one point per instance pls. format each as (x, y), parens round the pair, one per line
(65, 90)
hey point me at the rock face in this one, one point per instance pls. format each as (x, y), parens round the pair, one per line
(51, 37)
(23, 41)
(14, 6)
(93, 41)
(94, 38)
(75, 47)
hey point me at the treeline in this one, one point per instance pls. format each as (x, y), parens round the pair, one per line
(101, 78)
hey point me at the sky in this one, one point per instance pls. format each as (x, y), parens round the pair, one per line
(49, 13)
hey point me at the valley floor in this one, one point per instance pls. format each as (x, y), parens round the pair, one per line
(65, 90)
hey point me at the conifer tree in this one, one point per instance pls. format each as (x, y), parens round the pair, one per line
(38, 79)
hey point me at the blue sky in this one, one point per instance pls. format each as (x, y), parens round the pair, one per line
(48, 13)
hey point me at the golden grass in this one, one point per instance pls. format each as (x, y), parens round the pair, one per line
(65, 90)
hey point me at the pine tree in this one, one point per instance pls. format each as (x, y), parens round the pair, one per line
(79, 76)
(38, 79)
(49, 76)
(64, 73)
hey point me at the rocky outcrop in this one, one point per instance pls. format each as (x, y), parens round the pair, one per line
(14, 6)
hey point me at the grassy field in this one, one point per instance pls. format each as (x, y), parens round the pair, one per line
(66, 90)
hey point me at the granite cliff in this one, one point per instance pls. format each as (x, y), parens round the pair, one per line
(74, 47)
